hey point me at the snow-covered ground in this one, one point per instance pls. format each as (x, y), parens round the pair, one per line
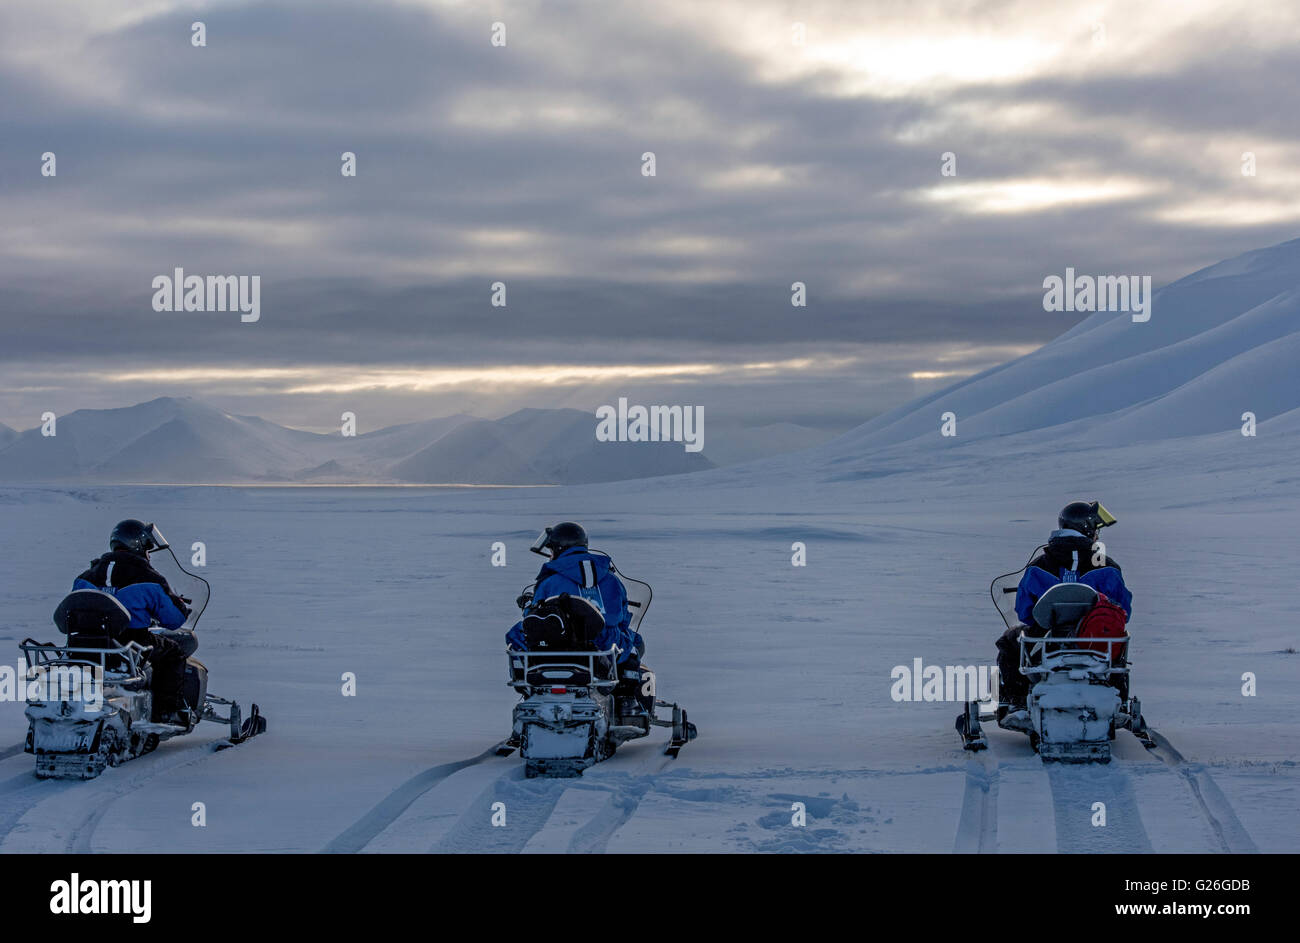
(786, 670)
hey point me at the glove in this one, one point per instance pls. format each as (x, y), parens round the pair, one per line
(162, 649)
(524, 600)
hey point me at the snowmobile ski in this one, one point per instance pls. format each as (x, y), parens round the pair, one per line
(969, 729)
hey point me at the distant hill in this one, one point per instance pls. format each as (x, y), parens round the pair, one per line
(543, 446)
(182, 440)
(163, 440)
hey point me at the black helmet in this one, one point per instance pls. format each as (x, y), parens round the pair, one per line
(1087, 517)
(134, 537)
(563, 536)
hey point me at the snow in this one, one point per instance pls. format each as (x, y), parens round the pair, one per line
(786, 670)
(1213, 349)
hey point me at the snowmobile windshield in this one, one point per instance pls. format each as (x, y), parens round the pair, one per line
(639, 595)
(1104, 517)
(539, 545)
(1003, 590)
(159, 541)
(184, 583)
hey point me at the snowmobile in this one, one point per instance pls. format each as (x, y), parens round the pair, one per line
(1079, 685)
(90, 701)
(573, 711)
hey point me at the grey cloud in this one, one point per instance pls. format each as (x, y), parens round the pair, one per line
(225, 159)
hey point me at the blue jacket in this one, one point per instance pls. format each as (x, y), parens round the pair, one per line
(147, 603)
(581, 572)
(1068, 559)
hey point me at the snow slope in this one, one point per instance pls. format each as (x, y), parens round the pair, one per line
(787, 670)
(1219, 342)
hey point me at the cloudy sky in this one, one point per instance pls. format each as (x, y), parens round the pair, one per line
(1104, 136)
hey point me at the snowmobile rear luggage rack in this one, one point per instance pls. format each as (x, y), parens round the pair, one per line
(41, 655)
(1088, 656)
(601, 666)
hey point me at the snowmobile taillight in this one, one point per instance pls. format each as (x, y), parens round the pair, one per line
(560, 690)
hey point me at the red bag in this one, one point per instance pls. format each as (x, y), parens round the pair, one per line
(1104, 620)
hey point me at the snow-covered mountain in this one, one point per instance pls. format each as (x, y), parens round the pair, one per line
(547, 446)
(181, 440)
(1221, 342)
(164, 440)
(7, 435)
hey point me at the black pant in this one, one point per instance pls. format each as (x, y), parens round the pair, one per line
(1014, 686)
(167, 656)
(632, 686)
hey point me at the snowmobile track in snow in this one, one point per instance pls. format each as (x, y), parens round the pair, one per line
(79, 840)
(593, 838)
(977, 828)
(23, 793)
(1076, 788)
(364, 830)
(18, 795)
(529, 804)
(1228, 830)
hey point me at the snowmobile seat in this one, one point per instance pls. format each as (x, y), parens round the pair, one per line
(92, 613)
(93, 619)
(1060, 608)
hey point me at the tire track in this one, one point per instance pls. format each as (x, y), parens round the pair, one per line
(1214, 805)
(528, 806)
(362, 832)
(977, 826)
(79, 841)
(11, 751)
(624, 799)
(22, 794)
(1075, 790)
(19, 795)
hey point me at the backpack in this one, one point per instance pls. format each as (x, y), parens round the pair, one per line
(563, 623)
(1104, 620)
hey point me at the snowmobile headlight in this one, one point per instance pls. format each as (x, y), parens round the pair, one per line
(159, 541)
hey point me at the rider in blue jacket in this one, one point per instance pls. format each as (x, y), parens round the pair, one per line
(577, 571)
(1067, 558)
(157, 613)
